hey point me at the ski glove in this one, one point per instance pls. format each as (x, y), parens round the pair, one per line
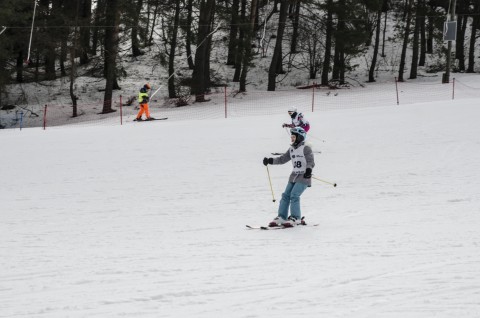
(267, 161)
(287, 125)
(308, 173)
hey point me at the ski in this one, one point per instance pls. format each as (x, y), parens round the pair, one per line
(151, 119)
(268, 228)
(257, 227)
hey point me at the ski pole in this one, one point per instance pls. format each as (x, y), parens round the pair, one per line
(322, 140)
(270, 180)
(334, 184)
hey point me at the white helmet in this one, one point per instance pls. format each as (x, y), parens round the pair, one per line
(292, 109)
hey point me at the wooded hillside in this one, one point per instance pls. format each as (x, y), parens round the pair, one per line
(320, 38)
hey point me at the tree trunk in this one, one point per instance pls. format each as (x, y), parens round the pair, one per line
(47, 8)
(342, 66)
(430, 30)
(86, 14)
(99, 14)
(423, 37)
(296, 19)
(19, 67)
(336, 62)
(247, 55)
(328, 43)
(199, 85)
(171, 58)
(188, 44)
(460, 43)
(384, 33)
(111, 48)
(371, 73)
(143, 34)
(415, 48)
(240, 43)
(73, 50)
(63, 53)
(72, 82)
(339, 42)
(280, 53)
(36, 73)
(135, 27)
(232, 43)
(473, 35)
(277, 53)
(154, 22)
(208, 53)
(405, 41)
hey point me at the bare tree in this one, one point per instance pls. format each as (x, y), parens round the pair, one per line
(99, 17)
(328, 43)
(406, 35)
(73, 50)
(462, 19)
(233, 40)
(241, 42)
(171, 55)
(295, 16)
(86, 16)
(415, 44)
(310, 43)
(188, 37)
(135, 28)
(111, 47)
(247, 55)
(371, 73)
(473, 36)
(200, 76)
(423, 36)
(277, 52)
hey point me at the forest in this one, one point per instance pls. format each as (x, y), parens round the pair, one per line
(42, 40)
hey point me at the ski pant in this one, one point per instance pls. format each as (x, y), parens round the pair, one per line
(143, 109)
(291, 198)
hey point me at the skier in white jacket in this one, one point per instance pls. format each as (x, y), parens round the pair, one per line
(297, 120)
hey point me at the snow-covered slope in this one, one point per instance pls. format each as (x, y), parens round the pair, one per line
(148, 220)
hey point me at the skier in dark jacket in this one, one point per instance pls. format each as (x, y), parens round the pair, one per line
(303, 162)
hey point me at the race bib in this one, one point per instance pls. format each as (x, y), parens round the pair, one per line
(298, 160)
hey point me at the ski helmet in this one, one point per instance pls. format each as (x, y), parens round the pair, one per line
(299, 133)
(146, 86)
(292, 109)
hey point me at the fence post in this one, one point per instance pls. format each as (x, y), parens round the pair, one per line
(396, 88)
(453, 89)
(45, 118)
(225, 90)
(121, 114)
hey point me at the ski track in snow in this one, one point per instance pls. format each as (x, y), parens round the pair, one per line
(150, 221)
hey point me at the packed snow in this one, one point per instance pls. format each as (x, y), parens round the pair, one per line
(148, 219)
